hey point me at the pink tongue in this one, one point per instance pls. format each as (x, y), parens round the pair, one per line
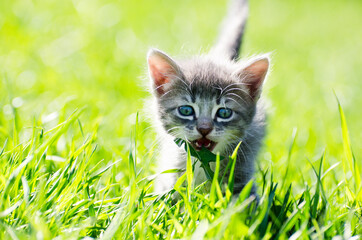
(203, 142)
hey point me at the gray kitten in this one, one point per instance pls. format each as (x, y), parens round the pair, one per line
(210, 101)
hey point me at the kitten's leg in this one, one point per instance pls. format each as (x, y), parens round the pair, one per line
(165, 182)
(169, 159)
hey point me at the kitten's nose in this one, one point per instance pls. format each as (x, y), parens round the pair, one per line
(204, 131)
(204, 127)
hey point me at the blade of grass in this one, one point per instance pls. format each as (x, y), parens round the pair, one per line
(290, 151)
(2, 150)
(232, 170)
(215, 187)
(189, 173)
(353, 165)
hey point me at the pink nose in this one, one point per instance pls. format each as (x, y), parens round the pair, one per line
(204, 130)
(204, 126)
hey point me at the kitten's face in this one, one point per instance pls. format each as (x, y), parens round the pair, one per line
(206, 116)
(206, 104)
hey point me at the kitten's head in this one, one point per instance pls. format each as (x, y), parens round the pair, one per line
(205, 102)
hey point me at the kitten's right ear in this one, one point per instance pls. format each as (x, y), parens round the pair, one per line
(162, 70)
(253, 75)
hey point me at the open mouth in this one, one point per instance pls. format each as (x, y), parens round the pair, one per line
(198, 144)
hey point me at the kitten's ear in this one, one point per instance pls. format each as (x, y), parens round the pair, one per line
(253, 75)
(162, 70)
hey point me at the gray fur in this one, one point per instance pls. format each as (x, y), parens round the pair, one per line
(208, 83)
(232, 31)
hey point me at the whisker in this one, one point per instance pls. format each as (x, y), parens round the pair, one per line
(169, 130)
(233, 94)
(169, 91)
(233, 84)
(235, 102)
(188, 87)
(228, 89)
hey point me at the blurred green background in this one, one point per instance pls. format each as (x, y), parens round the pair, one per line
(57, 56)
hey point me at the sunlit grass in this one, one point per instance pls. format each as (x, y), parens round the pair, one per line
(77, 156)
(45, 195)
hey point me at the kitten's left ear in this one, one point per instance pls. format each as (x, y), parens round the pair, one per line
(253, 75)
(162, 70)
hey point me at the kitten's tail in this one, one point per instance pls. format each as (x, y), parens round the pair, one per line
(232, 31)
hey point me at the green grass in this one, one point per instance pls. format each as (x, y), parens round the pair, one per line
(77, 156)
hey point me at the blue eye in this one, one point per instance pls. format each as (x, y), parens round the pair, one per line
(224, 113)
(186, 110)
